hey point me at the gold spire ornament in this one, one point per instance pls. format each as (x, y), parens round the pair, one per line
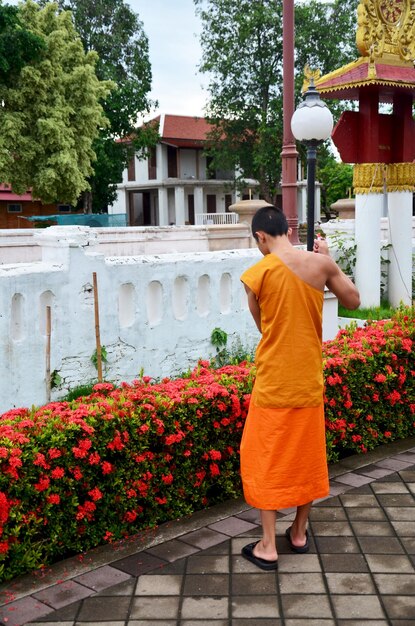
(387, 28)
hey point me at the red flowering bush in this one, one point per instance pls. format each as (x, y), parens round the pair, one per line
(370, 385)
(98, 469)
(74, 475)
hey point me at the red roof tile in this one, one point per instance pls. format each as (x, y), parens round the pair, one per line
(184, 127)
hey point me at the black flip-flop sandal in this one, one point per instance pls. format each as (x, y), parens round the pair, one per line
(248, 553)
(298, 549)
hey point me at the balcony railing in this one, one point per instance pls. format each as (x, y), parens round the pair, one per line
(210, 219)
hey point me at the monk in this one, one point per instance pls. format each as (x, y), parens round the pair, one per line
(283, 448)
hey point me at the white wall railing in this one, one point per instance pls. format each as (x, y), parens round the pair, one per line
(207, 219)
(157, 313)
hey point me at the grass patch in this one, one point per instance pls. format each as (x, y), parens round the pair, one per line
(382, 312)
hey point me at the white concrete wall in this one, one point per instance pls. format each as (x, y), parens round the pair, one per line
(157, 313)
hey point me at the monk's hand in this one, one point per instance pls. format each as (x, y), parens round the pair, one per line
(320, 247)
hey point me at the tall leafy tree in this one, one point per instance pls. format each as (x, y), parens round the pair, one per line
(18, 46)
(50, 113)
(116, 34)
(242, 54)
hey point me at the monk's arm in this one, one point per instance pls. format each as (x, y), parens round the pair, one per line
(337, 281)
(254, 307)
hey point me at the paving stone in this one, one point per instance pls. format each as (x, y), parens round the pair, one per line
(396, 584)
(358, 500)
(366, 514)
(205, 607)
(155, 607)
(255, 607)
(146, 622)
(397, 500)
(411, 487)
(218, 550)
(408, 476)
(125, 588)
(299, 563)
(207, 622)
(202, 564)
(306, 606)
(139, 563)
(400, 607)
(380, 487)
(355, 480)
(331, 502)
(107, 623)
(406, 456)
(367, 622)
(309, 622)
(401, 513)
(206, 585)
(404, 529)
(233, 526)
(251, 515)
(162, 585)
(102, 578)
(372, 529)
(333, 545)
(409, 544)
(344, 563)
(248, 584)
(301, 583)
(204, 538)
(172, 550)
(248, 622)
(332, 529)
(375, 472)
(359, 607)
(380, 545)
(239, 565)
(379, 563)
(350, 583)
(327, 515)
(104, 609)
(62, 594)
(66, 615)
(394, 464)
(337, 489)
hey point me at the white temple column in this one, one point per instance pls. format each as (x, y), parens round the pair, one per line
(400, 186)
(198, 194)
(163, 216)
(179, 206)
(368, 184)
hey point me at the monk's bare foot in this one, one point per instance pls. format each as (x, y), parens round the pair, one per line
(298, 539)
(268, 554)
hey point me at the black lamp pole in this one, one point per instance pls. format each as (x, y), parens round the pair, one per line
(311, 190)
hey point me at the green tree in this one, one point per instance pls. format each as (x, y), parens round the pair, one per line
(50, 114)
(242, 54)
(116, 34)
(18, 46)
(337, 181)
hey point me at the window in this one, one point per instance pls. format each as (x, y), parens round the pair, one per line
(14, 208)
(152, 164)
(64, 208)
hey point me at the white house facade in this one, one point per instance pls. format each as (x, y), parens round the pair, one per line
(174, 185)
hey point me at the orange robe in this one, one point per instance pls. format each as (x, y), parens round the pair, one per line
(283, 448)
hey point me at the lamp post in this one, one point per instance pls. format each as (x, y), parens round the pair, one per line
(311, 124)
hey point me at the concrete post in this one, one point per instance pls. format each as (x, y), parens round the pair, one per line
(400, 180)
(179, 206)
(163, 214)
(198, 196)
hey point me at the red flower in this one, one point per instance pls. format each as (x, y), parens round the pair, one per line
(168, 479)
(387, 434)
(107, 468)
(214, 469)
(53, 498)
(380, 378)
(4, 547)
(215, 455)
(43, 484)
(58, 472)
(95, 494)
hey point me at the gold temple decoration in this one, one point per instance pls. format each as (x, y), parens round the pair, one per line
(310, 74)
(386, 28)
(400, 177)
(368, 178)
(374, 177)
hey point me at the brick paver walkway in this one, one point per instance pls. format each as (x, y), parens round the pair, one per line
(360, 570)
